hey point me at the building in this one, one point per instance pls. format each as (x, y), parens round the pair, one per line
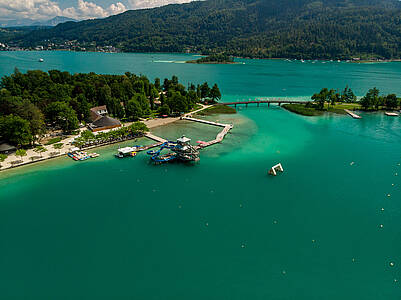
(103, 123)
(6, 148)
(98, 111)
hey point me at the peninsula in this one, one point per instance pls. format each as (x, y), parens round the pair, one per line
(90, 110)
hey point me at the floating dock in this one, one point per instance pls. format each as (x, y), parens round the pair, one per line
(355, 116)
(220, 136)
(275, 168)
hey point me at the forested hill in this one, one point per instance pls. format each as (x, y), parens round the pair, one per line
(306, 29)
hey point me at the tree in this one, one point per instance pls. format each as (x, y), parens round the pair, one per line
(40, 150)
(391, 101)
(371, 99)
(134, 110)
(348, 95)
(15, 130)
(157, 84)
(215, 93)
(164, 110)
(3, 157)
(204, 90)
(321, 98)
(137, 128)
(20, 153)
(62, 115)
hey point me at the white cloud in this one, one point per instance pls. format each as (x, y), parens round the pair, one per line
(138, 4)
(45, 9)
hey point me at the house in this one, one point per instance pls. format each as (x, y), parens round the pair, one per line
(6, 148)
(101, 120)
(98, 111)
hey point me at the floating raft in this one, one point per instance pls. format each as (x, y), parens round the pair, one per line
(355, 116)
(275, 168)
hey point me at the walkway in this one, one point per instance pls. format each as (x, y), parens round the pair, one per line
(355, 116)
(155, 138)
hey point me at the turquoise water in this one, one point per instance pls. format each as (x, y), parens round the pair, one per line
(222, 228)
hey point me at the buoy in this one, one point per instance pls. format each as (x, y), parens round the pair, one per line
(283, 272)
(388, 195)
(240, 205)
(382, 209)
(395, 280)
(351, 163)
(391, 264)
(206, 224)
(381, 225)
(313, 241)
(353, 259)
(179, 206)
(275, 222)
(242, 245)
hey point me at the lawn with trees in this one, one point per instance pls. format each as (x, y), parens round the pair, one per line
(37, 102)
(335, 102)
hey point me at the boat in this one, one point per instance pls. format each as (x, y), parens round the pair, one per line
(41, 60)
(126, 152)
(391, 114)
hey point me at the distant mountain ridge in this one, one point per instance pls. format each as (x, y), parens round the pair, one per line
(29, 22)
(336, 29)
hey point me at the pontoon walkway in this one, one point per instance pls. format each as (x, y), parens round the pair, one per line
(204, 121)
(355, 116)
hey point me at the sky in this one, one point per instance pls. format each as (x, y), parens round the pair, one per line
(76, 9)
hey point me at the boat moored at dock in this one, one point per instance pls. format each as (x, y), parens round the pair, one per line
(126, 152)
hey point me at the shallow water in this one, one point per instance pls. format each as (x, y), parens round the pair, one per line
(221, 228)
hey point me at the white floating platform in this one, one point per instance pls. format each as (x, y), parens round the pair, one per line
(355, 116)
(274, 169)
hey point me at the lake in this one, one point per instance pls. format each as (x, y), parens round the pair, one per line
(329, 227)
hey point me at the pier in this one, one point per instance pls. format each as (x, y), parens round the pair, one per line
(220, 136)
(155, 138)
(204, 121)
(258, 102)
(355, 116)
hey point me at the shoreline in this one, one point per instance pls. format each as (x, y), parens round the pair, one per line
(350, 60)
(27, 160)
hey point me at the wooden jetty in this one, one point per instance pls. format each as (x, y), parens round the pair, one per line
(275, 168)
(258, 102)
(204, 121)
(155, 138)
(355, 116)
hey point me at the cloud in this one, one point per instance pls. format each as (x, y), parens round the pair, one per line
(45, 9)
(138, 4)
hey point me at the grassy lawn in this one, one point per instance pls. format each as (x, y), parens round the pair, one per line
(217, 109)
(350, 106)
(301, 109)
(304, 110)
(58, 146)
(53, 141)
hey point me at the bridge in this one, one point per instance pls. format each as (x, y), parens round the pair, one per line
(279, 102)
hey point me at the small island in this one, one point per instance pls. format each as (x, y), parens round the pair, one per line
(214, 59)
(331, 101)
